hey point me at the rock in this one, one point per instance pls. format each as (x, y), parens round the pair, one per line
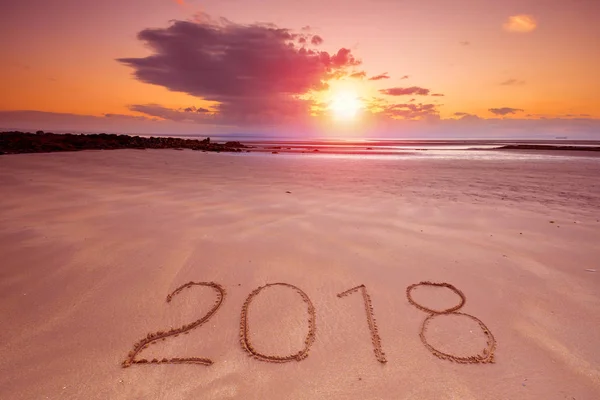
(23, 142)
(234, 144)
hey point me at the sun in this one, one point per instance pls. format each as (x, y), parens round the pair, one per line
(345, 104)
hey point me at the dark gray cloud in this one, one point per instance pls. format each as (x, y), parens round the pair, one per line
(196, 109)
(505, 110)
(512, 82)
(466, 116)
(188, 114)
(398, 91)
(243, 67)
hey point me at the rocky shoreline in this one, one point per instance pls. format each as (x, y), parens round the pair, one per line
(43, 142)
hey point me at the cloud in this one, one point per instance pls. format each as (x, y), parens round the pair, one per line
(520, 24)
(245, 68)
(505, 110)
(382, 110)
(466, 116)
(420, 122)
(19, 65)
(316, 40)
(465, 43)
(437, 95)
(512, 82)
(60, 122)
(379, 77)
(411, 111)
(188, 114)
(405, 77)
(398, 91)
(358, 75)
(196, 110)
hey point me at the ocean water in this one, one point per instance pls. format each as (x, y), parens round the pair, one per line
(492, 155)
(403, 148)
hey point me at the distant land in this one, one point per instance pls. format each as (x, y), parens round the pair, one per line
(43, 142)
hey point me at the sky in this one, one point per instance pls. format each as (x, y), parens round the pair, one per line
(326, 68)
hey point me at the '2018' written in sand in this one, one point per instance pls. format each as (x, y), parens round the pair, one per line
(486, 356)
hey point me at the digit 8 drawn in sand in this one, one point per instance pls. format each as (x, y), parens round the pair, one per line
(487, 355)
(244, 329)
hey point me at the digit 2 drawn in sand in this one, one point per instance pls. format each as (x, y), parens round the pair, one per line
(152, 338)
(244, 328)
(379, 354)
(487, 356)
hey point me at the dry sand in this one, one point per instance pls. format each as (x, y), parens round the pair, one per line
(91, 243)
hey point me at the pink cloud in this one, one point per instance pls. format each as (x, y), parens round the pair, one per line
(379, 77)
(316, 40)
(398, 91)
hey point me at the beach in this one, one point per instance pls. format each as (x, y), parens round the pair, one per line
(93, 242)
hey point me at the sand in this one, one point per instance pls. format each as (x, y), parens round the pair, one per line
(92, 243)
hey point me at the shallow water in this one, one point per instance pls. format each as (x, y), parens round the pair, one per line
(463, 154)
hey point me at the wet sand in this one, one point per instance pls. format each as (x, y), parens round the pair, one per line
(93, 242)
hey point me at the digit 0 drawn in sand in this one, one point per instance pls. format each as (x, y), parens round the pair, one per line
(245, 329)
(487, 355)
(379, 354)
(152, 338)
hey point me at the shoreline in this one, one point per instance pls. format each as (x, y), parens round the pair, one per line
(24, 142)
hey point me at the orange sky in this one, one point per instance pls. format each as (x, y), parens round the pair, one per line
(539, 56)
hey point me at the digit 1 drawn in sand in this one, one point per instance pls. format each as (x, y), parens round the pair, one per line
(487, 355)
(244, 328)
(152, 338)
(379, 354)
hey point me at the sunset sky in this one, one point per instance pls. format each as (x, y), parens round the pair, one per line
(372, 68)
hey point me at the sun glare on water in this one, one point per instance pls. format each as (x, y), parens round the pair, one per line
(345, 105)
